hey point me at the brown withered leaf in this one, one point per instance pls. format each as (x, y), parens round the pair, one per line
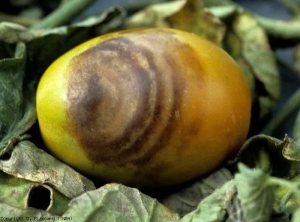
(187, 15)
(154, 15)
(195, 18)
(291, 150)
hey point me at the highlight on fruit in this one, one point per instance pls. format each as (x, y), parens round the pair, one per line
(147, 108)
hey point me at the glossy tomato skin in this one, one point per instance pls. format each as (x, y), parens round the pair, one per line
(146, 108)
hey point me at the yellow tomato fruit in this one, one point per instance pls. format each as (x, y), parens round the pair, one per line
(147, 108)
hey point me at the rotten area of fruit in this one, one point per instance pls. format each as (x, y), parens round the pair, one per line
(260, 184)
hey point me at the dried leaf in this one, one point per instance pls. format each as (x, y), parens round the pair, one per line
(213, 207)
(17, 111)
(13, 33)
(13, 191)
(187, 15)
(291, 150)
(154, 15)
(26, 194)
(187, 199)
(264, 152)
(256, 196)
(115, 202)
(234, 210)
(44, 197)
(193, 17)
(31, 163)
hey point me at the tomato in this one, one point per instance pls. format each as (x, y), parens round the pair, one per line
(147, 108)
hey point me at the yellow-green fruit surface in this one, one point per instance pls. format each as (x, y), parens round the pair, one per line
(147, 108)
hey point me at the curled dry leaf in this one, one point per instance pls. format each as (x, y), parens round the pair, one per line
(17, 111)
(195, 18)
(26, 194)
(264, 152)
(44, 197)
(187, 15)
(291, 150)
(13, 191)
(31, 163)
(154, 15)
(213, 207)
(186, 199)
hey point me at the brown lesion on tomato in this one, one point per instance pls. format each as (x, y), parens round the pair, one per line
(116, 60)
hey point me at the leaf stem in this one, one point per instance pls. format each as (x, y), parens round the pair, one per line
(63, 14)
(17, 19)
(284, 200)
(284, 183)
(292, 189)
(287, 109)
(278, 28)
(132, 7)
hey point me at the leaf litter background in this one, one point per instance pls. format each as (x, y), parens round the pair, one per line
(261, 184)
